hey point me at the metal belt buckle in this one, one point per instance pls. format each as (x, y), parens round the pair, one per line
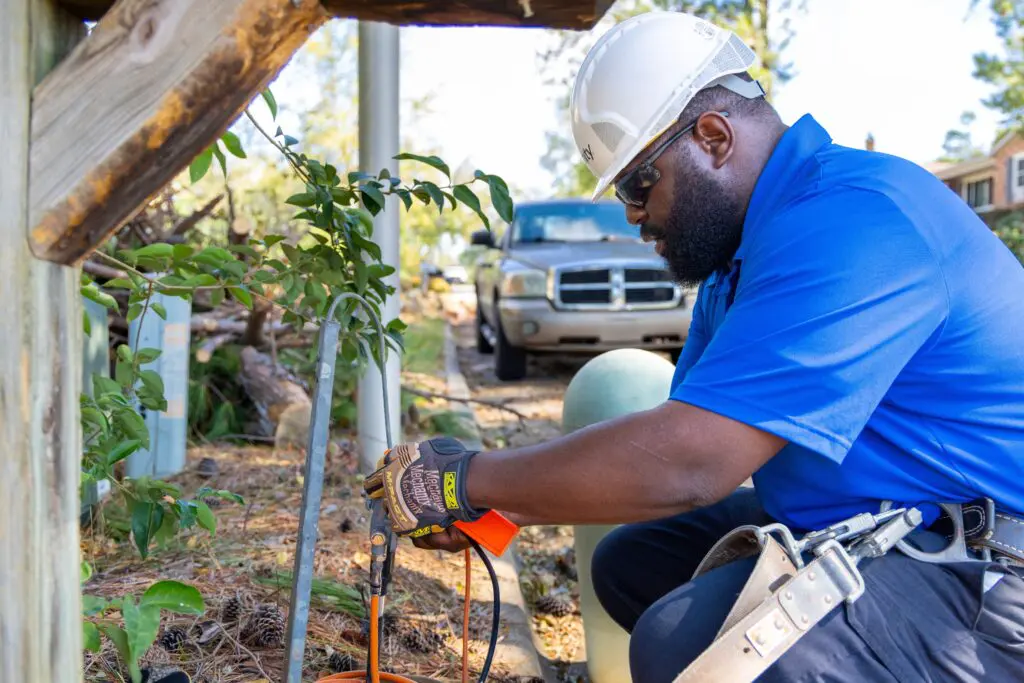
(956, 551)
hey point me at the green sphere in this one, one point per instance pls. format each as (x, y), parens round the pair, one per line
(613, 384)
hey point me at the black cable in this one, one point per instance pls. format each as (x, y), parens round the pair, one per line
(496, 617)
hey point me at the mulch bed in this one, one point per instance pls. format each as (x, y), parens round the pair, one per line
(251, 552)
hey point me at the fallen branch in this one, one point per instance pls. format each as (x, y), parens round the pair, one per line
(206, 350)
(490, 404)
(204, 323)
(100, 270)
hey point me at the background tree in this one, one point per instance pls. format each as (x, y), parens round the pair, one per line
(560, 61)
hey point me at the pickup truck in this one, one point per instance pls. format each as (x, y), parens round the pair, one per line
(573, 276)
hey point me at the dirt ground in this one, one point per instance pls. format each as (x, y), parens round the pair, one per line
(251, 557)
(546, 552)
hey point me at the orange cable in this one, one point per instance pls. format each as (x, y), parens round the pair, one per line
(373, 675)
(465, 620)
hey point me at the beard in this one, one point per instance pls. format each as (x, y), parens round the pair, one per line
(704, 227)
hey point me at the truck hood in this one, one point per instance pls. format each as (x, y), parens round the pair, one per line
(544, 256)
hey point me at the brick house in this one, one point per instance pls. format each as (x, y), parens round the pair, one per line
(992, 185)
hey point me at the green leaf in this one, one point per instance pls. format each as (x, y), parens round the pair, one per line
(93, 604)
(430, 161)
(132, 423)
(304, 199)
(159, 310)
(124, 373)
(174, 596)
(92, 293)
(374, 195)
(435, 194)
(146, 519)
(147, 355)
(201, 280)
(122, 451)
(168, 529)
(124, 353)
(141, 623)
(151, 380)
(120, 640)
(271, 240)
(221, 159)
(91, 637)
(271, 101)
(207, 492)
(84, 574)
(466, 196)
(381, 270)
(205, 517)
(406, 198)
(233, 144)
(242, 296)
(342, 196)
(216, 297)
(134, 311)
(104, 385)
(200, 165)
(500, 198)
(119, 283)
(289, 141)
(182, 252)
(451, 199)
(244, 249)
(86, 323)
(158, 250)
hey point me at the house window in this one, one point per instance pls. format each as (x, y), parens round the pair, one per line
(1020, 172)
(1016, 189)
(979, 194)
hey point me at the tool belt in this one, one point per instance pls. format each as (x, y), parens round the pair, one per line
(787, 596)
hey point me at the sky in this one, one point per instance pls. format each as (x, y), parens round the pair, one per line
(899, 69)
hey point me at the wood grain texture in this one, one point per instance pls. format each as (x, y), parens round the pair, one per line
(567, 14)
(40, 381)
(154, 84)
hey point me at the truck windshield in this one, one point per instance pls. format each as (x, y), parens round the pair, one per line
(583, 222)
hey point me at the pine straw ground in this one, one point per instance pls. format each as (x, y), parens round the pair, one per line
(256, 542)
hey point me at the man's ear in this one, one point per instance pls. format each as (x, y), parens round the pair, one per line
(716, 137)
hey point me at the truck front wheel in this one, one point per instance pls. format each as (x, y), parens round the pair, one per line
(509, 361)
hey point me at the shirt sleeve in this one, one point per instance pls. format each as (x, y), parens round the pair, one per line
(835, 297)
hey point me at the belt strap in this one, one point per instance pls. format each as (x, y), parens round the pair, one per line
(752, 643)
(780, 603)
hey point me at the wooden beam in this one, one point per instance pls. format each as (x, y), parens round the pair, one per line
(563, 14)
(566, 14)
(153, 85)
(40, 382)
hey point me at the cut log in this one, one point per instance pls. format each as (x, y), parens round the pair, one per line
(279, 398)
(206, 350)
(150, 88)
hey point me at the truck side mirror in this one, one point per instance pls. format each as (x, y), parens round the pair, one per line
(482, 238)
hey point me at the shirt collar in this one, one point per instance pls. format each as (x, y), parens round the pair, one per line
(780, 178)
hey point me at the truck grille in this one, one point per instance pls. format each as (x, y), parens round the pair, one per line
(614, 288)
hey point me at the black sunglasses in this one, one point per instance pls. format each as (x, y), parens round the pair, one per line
(634, 187)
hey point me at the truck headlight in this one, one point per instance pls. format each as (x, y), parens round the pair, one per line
(524, 284)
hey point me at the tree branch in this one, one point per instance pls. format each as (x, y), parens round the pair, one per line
(490, 404)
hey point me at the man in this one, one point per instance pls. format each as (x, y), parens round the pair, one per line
(858, 338)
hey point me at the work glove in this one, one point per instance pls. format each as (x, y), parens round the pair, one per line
(423, 486)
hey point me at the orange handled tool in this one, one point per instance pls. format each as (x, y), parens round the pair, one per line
(494, 532)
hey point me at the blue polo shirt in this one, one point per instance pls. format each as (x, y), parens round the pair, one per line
(874, 322)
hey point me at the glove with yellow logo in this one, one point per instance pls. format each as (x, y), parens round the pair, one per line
(424, 486)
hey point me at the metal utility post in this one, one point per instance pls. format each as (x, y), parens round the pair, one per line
(378, 144)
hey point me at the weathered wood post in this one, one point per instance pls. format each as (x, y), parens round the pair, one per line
(40, 381)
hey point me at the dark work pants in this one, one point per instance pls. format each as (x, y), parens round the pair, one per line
(916, 622)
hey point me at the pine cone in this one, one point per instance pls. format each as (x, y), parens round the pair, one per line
(566, 562)
(556, 604)
(231, 610)
(425, 642)
(388, 626)
(173, 638)
(265, 627)
(340, 663)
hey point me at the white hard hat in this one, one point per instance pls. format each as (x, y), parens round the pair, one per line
(639, 77)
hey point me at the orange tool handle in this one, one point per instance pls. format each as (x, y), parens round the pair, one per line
(494, 532)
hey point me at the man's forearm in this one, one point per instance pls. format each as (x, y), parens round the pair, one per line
(642, 466)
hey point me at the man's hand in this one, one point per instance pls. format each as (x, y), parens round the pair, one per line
(450, 540)
(424, 486)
